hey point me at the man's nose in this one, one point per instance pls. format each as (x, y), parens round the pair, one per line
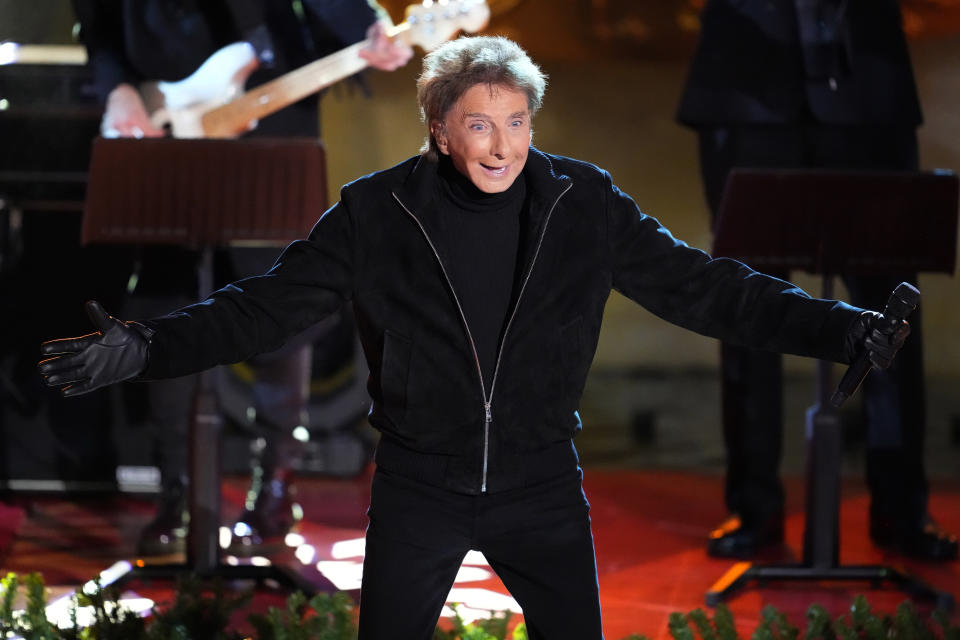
(499, 144)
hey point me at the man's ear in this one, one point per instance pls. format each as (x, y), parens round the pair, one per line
(440, 136)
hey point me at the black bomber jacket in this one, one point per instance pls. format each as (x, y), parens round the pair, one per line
(380, 248)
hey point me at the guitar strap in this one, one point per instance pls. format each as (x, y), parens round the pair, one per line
(319, 26)
(250, 21)
(246, 14)
(824, 37)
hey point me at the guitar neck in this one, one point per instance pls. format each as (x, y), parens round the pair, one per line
(235, 116)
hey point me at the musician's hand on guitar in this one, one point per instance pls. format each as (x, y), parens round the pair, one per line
(126, 117)
(384, 53)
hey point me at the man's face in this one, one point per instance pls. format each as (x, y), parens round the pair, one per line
(487, 135)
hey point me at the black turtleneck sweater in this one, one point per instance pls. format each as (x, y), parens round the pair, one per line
(482, 234)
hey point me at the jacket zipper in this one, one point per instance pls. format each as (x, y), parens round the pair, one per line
(487, 400)
(496, 369)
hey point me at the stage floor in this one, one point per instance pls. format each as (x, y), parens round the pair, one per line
(650, 528)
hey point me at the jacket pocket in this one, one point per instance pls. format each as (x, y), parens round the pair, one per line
(395, 374)
(568, 352)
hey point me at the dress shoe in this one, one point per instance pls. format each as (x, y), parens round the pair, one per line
(167, 532)
(736, 539)
(270, 514)
(923, 541)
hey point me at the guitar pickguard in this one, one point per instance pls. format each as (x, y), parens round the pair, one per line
(220, 79)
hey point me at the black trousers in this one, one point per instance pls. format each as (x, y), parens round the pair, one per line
(537, 539)
(752, 381)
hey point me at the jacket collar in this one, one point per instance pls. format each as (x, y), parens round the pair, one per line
(545, 186)
(420, 189)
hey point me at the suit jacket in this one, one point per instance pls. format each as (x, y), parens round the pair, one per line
(841, 62)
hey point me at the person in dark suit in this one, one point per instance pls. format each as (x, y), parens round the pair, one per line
(812, 84)
(133, 41)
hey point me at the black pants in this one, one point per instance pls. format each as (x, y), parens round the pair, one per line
(537, 539)
(751, 380)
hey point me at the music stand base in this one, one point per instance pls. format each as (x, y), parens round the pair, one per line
(275, 576)
(742, 573)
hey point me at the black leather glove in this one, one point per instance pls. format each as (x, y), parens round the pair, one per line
(880, 335)
(118, 351)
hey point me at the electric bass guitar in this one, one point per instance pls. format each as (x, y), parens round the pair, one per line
(212, 103)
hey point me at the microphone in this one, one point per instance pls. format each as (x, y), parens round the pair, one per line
(901, 304)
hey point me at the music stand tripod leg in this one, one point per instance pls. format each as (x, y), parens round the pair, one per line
(735, 578)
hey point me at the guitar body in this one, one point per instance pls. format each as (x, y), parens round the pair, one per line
(181, 105)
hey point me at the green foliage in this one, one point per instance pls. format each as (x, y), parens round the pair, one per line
(111, 621)
(7, 621)
(862, 622)
(819, 625)
(724, 624)
(947, 632)
(36, 615)
(31, 623)
(697, 622)
(199, 613)
(859, 624)
(494, 628)
(703, 624)
(907, 625)
(679, 628)
(196, 614)
(774, 626)
(324, 617)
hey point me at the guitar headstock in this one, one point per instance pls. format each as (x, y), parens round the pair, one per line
(433, 22)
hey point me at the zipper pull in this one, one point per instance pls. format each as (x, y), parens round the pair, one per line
(486, 406)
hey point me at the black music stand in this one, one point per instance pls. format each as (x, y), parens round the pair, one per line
(203, 194)
(832, 223)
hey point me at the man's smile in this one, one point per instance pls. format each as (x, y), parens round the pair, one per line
(496, 171)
